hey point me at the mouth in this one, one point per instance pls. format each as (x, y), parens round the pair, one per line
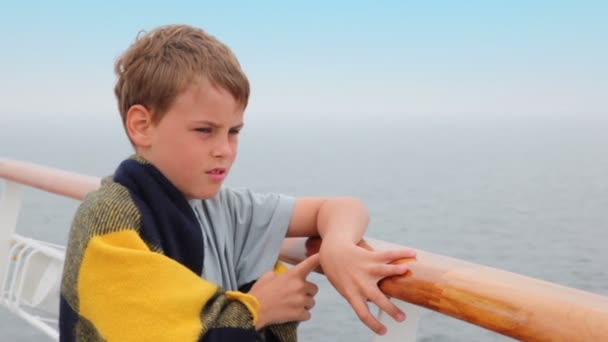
(217, 171)
(217, 174)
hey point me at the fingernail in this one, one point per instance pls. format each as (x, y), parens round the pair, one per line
(400, 316)
(382, 331)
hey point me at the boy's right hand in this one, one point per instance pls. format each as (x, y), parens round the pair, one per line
(286, 297)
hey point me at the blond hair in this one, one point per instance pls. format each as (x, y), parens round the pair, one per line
(163, 63)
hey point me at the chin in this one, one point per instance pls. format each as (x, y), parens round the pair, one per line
(207, 193)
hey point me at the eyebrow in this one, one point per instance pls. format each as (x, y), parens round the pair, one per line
(215, 125)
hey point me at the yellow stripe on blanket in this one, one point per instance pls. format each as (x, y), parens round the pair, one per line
(129, 292)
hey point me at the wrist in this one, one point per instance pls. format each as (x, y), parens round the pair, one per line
(260, 324)
(338, 240)
(250, 302)
(260, 320)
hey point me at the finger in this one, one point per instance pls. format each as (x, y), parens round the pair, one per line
(388, 256)
(387, 270)
(362, 311)
(304, 316)
(309, 303)
(382, 301)
(306, 266)
(311, 289)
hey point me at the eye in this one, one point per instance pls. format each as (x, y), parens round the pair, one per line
(203, 129)
(234, 131)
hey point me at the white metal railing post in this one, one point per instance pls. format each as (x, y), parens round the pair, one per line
(10, 203)
(400, 331)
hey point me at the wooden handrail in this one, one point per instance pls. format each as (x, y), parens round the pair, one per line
(507, 303)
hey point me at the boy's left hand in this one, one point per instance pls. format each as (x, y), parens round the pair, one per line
(355, 273)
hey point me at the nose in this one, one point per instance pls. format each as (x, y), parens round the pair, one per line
(222, 148)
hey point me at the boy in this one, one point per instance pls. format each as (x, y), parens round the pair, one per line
(162, 252)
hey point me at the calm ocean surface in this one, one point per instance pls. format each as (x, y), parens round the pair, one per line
(524, 194)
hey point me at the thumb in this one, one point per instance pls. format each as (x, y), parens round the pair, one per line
(306, 266)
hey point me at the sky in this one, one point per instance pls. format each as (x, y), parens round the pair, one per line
(318, 58)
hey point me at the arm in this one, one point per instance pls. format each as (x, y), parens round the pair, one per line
(352, 270)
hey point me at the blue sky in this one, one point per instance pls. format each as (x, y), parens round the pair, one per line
(314, 58)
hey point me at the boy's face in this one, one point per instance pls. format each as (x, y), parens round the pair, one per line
(195, 143)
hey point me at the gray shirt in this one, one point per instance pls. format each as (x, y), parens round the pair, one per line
(242, 233)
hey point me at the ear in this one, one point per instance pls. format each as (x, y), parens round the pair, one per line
(139, 125)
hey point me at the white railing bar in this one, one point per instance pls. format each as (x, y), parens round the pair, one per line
(37, 322)
(10, 204)
(42, 247)
(23, 274)
(17, 266)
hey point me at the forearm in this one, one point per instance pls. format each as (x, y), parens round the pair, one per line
(342, 219)
(354, 271)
